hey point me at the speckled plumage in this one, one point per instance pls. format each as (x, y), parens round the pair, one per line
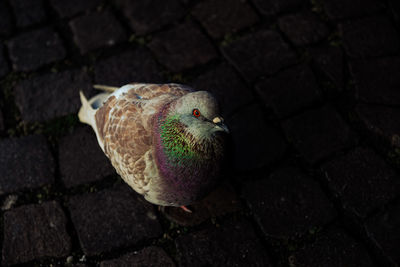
(154, 141)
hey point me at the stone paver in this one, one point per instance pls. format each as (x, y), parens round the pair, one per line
(384, 231)
(303, 28)
(297, 82)
(73, 7)
(344, 9)
(288, 203)
(271, 7)
(35, 231)
(362, 181)
(182, 47)
(256, 143)
(6, 24)
(96, 30)
(121, 218)
(28, 13)
(221, 17)
(227, 87)
(51, 95)
(329, 60)
(374, 36)
(25, 163)
(147, 257)
(318, 133)
(146, 16)
(34, 49)
(130, 66)
(377, 80)
(231, 244)
(260, 53)
(1, 121)
(331, 249)
(4, 68)
(381, 121)
(81, 158)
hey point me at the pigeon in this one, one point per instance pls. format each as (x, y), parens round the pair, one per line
(166, 141)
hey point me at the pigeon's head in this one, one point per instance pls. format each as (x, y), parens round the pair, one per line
(198, 112)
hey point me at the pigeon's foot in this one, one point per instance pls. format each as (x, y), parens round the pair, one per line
(186, 209)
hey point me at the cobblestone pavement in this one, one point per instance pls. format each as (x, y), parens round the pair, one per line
(309, 89)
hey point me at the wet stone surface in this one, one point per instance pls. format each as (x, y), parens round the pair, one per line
(331, 249)
(259, 54)
(96, 30)
(25, 163)
(35, 231)
(81, 158)
(299, 82)
(332, 135)
(146, 16)
(227, 87)
(271, 7)
(256, 145)
(288, 203)
(149, 256)
(31, 50)
(51, 95)
(231, 244)
(375, 36)
(72, 7)
(221, 17)
(303, 28)
(121, 217)
(28, 13)
(136, 65)
(182, 47)
(362, 181)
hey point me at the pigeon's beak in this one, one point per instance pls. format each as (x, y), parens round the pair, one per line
(219, 124)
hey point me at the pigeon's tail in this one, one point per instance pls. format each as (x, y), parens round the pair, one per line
(88, 109)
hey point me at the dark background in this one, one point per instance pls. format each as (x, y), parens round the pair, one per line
(309, 89)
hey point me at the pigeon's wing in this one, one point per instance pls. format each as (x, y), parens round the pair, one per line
(123, 126)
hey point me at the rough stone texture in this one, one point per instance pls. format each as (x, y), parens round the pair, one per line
(272, 7)
(121, 218)
(232, 244)
(258, 143)
(35, 231)
(288, 203)
(221, 17)
(227, 87)
(219, 202)
(147, 257)
(6, 25)
(4, 68)
(362, 181)
(369, 37)
(146, 16)
(331, 249)
(318, 133)
(344, 9)
(131, 66)
(73, 7)
(51, 95)
(260, 53)
(290, 90)
(28, 13)
(329, 61)
(25, 163)
(182, 47)
(34, 49)
(303, 28)
(382, 122)
(96, 30)
(81, 158)
(384, 230)
(377, 80)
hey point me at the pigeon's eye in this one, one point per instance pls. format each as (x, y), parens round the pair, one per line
(196, 112)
